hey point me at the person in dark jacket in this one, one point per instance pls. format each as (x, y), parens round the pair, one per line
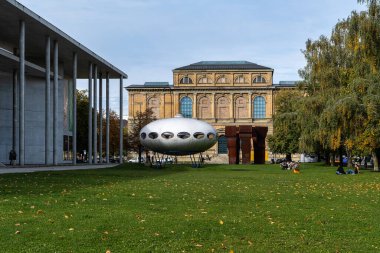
(12, 157)
(340, 171)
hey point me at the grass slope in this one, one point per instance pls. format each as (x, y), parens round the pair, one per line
(219, 208)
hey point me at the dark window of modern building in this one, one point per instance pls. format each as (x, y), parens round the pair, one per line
(186, 80)
(259, 79)
(187, 107)
(222, 145)
(259, 108)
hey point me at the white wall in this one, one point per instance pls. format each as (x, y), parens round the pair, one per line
(34, 120)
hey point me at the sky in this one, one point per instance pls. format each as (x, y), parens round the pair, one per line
(147, 39)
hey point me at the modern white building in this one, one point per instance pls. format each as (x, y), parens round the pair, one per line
(39, 68)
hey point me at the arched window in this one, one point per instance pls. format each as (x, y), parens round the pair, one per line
(240, 79)
(259, 108)
(221, 79)
(241, 108)
(259, 79)
(223, 108)
(222, 145)
(187, 107)
(204, 108)
(186, 80)
(203, 80)
(154, 104)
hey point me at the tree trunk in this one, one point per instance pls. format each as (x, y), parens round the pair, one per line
(332, 159)
(327, 158)
(375, 157)
(349, 159)
(341, 156)
(140, 151)
(289, 157)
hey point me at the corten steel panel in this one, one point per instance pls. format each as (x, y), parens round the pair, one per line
(245, 134)
(231, 135)
(259, 147)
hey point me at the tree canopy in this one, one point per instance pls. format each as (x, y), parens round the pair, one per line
(341, 108)
(140, 120)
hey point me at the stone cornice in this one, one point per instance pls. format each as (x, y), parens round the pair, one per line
(202, 89)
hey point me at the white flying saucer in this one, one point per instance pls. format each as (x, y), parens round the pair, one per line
(178, 136)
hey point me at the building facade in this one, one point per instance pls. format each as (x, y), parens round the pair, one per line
(39, 68)
(227, 93)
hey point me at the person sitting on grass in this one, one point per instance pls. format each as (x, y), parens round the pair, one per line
(340, 170)
(357, 168)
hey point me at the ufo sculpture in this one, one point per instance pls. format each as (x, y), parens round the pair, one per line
(179, 136)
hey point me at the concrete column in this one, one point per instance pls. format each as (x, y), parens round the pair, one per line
(89, 148)
(47, 100)
(75, 63)
(22, 95)
(107, 117)
(121, 120)
(55, 107)
(15, 107)
(95, 116)
(100, 118)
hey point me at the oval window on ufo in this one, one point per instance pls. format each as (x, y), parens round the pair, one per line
(153, 135)
(198, 135)
(167, 135)
(143, 136)
(183, 135)
(210, 136)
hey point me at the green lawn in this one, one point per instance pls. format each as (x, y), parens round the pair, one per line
(218, 208)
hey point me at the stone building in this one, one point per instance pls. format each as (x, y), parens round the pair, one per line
(222, 93)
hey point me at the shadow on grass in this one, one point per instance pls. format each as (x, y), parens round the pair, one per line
(50, 182)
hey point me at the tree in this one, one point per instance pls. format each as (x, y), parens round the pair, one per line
(114, 132)
(82, 121)
(286, 127)
(82, 125)
(342, 79)
(141, 119)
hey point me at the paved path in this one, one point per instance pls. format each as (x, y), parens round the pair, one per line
(25, 169)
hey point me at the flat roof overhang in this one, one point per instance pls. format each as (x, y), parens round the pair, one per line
(36, 31)
(10, 62)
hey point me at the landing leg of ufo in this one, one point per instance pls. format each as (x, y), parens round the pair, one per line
(158, 160)
(194, 163)
(201, 159)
